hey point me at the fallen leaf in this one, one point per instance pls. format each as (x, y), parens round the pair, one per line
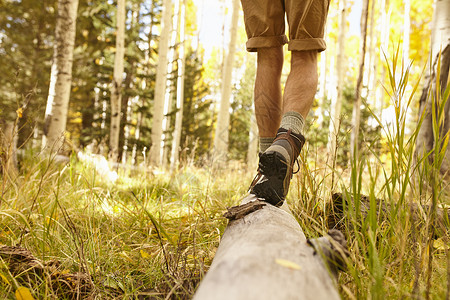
(23, 293)
(287, 264)
(144, 254)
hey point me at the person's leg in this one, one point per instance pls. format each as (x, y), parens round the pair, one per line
(306, 21)
(267, 94)
(277, 162)
(301, 84)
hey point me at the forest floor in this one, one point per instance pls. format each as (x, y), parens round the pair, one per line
(66, 230)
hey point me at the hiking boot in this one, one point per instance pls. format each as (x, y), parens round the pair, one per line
(275, 167)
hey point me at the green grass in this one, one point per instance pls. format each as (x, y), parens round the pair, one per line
(155, 235)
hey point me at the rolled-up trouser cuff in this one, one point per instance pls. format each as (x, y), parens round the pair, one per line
(265, 42)
(307, 44)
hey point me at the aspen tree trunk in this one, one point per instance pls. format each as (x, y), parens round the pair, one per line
(169, 89)
(60, 77)
(384, 44)
(356, 115)
(155, 155)
(323, 93)
(372, 62)
(126, 134)
(223, 118)
(440, 41)
(116, 86)
(174, 157)
(336, 103)
(137, 135)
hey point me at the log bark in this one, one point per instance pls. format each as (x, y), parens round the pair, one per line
(418, 212)
(263, 254)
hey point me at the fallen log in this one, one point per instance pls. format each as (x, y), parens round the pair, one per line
(418, 213)
(263, 254)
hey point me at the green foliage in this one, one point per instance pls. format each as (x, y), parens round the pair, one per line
(26, 49)
(198, 116)
(138, 235)
(242, 112)
(369, 134)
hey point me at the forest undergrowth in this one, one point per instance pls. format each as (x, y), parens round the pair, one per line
(69, 232)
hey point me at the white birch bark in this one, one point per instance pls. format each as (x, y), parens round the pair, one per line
(60, 77)
(372, 62)
(440, 41)
(384, 44)
(169, 90)
(336, 103)
(116, 86)
(223, 118)
(126, 134)
(137, 135)
(174, 157)
(323, 93)
(440, 31)
(356, 115)
(155, 155)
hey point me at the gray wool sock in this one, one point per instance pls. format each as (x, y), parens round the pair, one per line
(264, 143)
(294, 121)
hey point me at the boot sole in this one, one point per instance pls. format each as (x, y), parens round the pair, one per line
(274, 167)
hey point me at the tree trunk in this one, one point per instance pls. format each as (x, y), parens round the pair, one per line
(356, 115)
(263, 254)
(373, 63)
(126, 131)
(336, 103)
(116, 86)
(323, 93)
(440, 40)
(384, 45)
(174, 157)
(60, 77)
(155, 155)
(169, 88)
(137, 135)
(223, 119)
(336, 214)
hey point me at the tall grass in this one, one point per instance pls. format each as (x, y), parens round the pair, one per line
(154, 235)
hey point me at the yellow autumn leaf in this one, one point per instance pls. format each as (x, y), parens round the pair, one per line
(144, 254)
(287, 264)
(23, 293)
(19, 112)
